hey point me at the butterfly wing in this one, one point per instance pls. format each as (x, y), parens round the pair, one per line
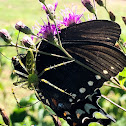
(105, 59)
(102, 31)
(95, 50)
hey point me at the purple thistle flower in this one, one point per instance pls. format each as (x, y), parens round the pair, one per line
(48, 31)
(71, 18)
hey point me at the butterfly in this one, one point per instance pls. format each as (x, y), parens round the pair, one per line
(76, 84)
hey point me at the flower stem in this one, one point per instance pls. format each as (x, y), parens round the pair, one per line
(113, 102)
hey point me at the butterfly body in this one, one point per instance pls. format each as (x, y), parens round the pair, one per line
(96, 60)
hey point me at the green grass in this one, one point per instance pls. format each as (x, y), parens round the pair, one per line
(29, 11)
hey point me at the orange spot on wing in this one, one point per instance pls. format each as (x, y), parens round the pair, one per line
(78, 115)
(65, 114)
(54, 102)
(74, 124)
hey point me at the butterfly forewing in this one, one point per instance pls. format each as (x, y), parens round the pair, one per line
(102, 31)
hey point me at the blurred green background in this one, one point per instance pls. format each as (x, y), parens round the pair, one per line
(29, 12)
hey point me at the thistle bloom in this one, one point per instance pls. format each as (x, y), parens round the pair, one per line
(5, 35)
(70, 18)
(48, 31)
(23, 28)
(27, 42)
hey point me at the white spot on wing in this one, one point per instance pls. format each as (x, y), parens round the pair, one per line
(82, 90)
(84, 119)
(47, 101)
(78, 100)
(105, 71)
(70, 99)
(112, 67)
(90, 83)
(74, 95)
(68, 118)
(98, 77)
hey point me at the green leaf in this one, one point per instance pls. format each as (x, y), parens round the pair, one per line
(1, 86)
(123, 73)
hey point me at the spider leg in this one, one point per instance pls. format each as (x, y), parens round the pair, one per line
(18, 83)
(50, 84)
(20, 73)
(16, 98)
(55, 66)
(19, 55)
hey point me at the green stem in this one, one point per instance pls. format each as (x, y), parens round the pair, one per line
(34, 50)
(95, 16)
(111, 86)
(106, 9)
(59, 41)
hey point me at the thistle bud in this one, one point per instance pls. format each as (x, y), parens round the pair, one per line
(27, 42)
(124, 20)
(112, 16)
(42, 1)
(100, 2)
(23, 28)
(51, 10)
(5, 35)
(88, 5)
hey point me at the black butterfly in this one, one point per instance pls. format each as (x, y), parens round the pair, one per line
(92, 44)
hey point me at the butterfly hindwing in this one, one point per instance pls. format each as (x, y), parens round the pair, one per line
(103, 58)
